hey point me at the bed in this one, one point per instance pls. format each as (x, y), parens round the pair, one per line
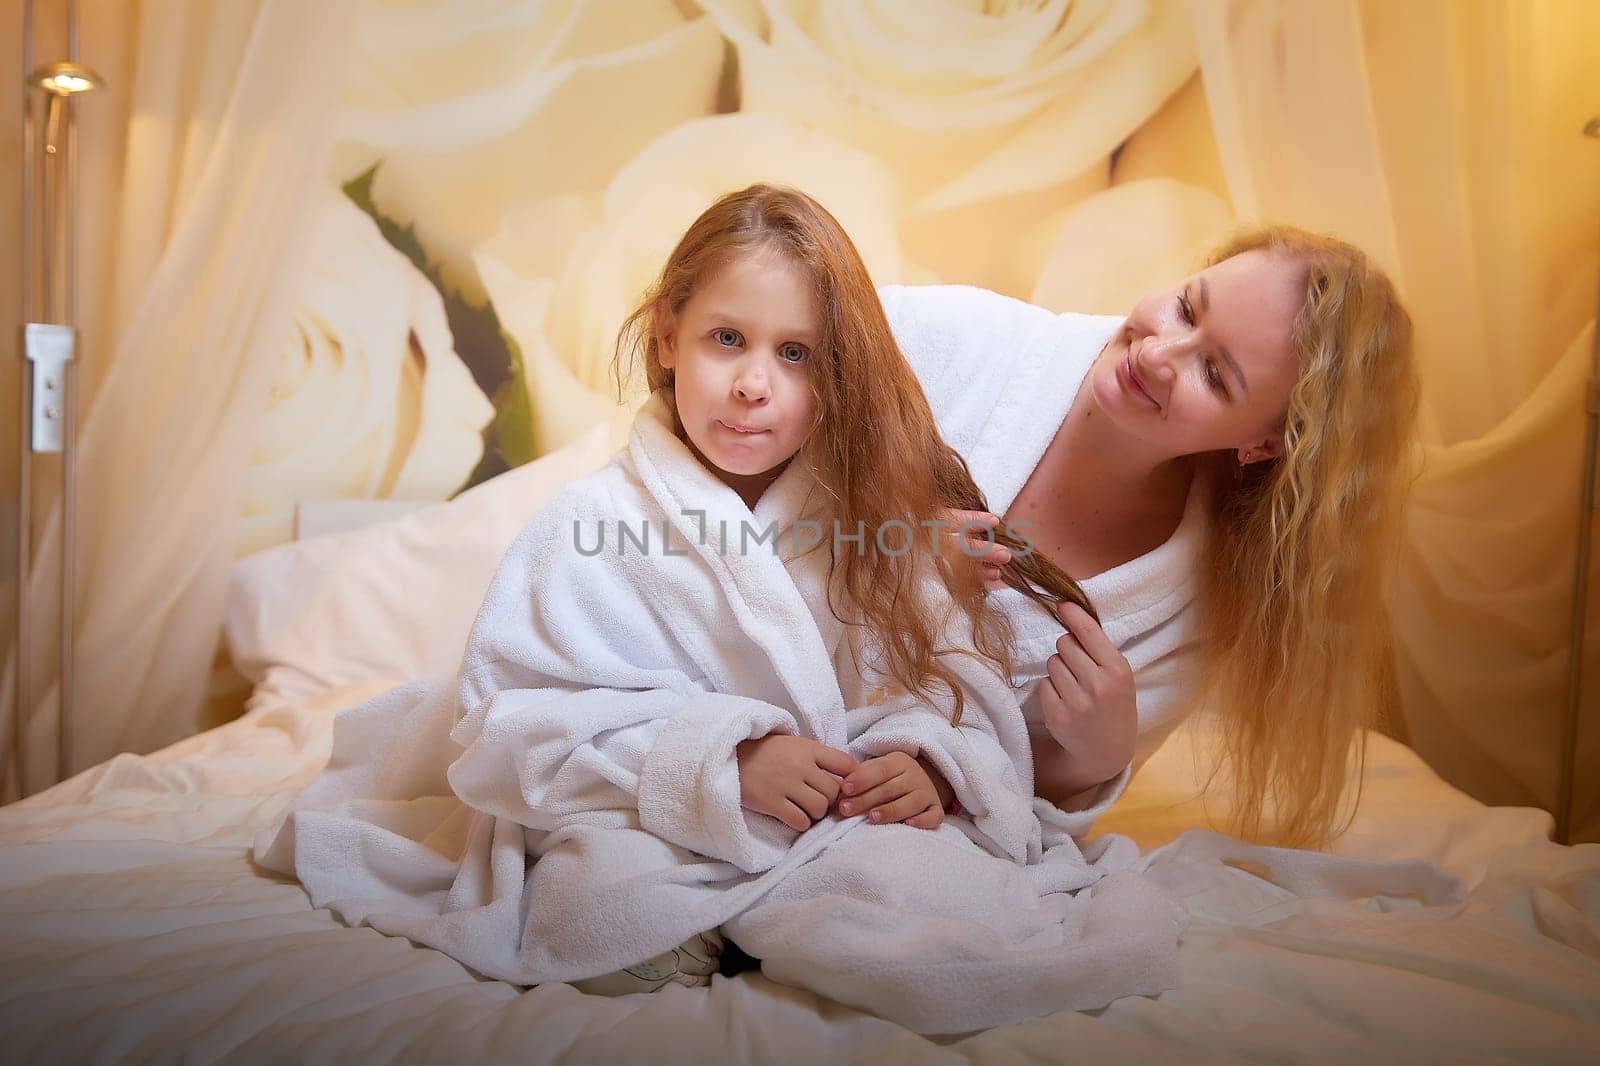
(134, 926)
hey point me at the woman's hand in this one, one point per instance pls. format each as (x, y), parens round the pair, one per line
(965, 538)
(1089, 708)
(897, 787)
(792, 779)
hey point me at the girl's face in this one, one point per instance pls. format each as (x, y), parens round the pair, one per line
(1208, 364)
(739, 352)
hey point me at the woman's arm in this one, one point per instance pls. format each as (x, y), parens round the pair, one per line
(1057, 778)
(1088, 701)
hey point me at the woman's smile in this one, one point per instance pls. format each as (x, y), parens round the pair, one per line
(1131, 381)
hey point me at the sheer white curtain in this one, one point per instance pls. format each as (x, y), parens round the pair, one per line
(1444, 136)
(229, 112)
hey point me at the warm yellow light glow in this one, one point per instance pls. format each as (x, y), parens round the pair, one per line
(65, 79)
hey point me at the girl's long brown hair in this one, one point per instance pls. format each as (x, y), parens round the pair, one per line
(875, 450)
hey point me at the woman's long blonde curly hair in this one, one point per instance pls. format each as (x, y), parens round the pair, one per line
(1295, 642)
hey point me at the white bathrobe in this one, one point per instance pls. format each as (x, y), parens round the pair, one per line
(593, 727)
(1000, 376)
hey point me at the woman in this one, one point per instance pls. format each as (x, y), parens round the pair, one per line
(1220, 470)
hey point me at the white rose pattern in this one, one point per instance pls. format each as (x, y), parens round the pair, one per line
(967, 102)
(473, 107)
(369, 399)
(549, 152)
(566, 272)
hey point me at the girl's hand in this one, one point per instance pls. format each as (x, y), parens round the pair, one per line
(1088, 704)
(991, 557)
(897, 788)
(792, 779)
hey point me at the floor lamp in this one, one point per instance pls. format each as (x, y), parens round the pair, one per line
(49, 350)
(1580, 581)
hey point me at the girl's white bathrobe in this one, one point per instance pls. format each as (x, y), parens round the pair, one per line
(593, 728)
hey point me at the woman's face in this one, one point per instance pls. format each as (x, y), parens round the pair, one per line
(1207, 364)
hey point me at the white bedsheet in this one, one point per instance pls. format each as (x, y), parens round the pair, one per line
(134, 928)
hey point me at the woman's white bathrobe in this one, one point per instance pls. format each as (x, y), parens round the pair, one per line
(1000, 376)
(593, 727)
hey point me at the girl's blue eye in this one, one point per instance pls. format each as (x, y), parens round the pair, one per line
(728, 338)
(792, 353)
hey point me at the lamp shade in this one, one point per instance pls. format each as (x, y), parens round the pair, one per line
(65, 79)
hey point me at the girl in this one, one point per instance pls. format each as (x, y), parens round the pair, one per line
(686, 659)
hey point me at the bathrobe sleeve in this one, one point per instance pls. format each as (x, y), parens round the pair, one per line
(963, 343)
(577, 703)
(985, 757)
(972, 759)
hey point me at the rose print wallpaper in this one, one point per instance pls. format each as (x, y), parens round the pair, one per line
(510, 175)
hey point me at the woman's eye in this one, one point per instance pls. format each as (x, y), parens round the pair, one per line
(793, 353)
(1186, 309)
(728, 338)
(1214, 379)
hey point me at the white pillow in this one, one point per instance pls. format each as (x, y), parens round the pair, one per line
(318, 518)
(390, 600)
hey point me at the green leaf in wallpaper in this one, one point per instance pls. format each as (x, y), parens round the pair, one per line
(511, 432)
(485, 348)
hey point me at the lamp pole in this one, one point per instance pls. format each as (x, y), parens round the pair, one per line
(49, 350)
(1580, 580)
